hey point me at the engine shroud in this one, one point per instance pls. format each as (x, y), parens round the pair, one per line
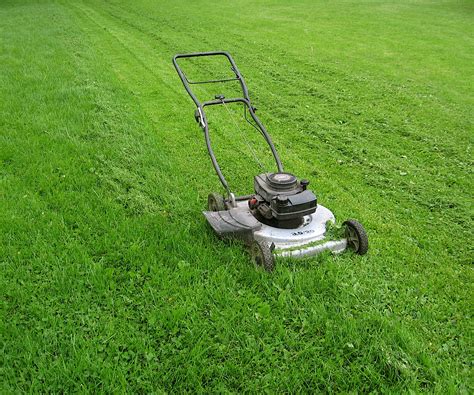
(282, 200)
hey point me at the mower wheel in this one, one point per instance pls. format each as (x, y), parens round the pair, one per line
(215, 202)
(262, 255)
(356, 236)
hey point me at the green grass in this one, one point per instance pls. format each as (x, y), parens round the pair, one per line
(112, 281)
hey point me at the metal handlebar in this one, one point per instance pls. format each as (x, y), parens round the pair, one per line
(187, 83)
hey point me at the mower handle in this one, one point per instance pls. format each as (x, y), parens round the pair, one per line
(201, 116)
(187, 83)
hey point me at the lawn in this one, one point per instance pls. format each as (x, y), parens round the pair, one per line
(112, 281)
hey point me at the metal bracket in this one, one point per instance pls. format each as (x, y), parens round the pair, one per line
(232, 200)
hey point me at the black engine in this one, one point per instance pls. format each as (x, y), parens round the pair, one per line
(281, 200)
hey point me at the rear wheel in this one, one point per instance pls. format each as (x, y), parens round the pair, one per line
(215, 202)
(356, 236)
(262, 255)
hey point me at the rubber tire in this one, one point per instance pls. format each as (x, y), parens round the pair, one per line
(215, 202)
(356, 236)
(262, 255)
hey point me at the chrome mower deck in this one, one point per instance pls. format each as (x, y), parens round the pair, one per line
(305, 240)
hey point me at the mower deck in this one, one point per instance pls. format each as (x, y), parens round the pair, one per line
(305, 240)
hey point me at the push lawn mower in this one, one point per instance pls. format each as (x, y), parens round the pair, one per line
(282, 217)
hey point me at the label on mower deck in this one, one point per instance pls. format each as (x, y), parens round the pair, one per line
(302, 232)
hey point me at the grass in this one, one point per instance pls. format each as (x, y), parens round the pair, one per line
(111, 280)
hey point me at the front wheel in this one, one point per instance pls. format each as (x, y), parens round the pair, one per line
(262, 255)
(356, 236)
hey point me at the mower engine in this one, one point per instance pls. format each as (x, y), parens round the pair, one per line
(281, 200)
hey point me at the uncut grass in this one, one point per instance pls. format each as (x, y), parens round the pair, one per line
(111, 279)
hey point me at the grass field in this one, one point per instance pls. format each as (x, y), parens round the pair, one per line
(111, 280)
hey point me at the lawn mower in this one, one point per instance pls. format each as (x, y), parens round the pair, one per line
(282, 216)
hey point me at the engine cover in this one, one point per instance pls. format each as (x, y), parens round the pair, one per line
(282, 199)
